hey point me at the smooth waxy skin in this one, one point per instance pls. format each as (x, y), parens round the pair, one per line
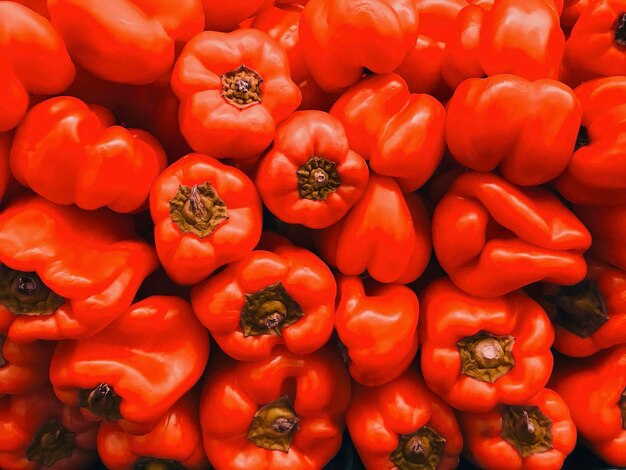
(608, 229)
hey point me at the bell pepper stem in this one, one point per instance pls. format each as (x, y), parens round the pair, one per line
(51, 443)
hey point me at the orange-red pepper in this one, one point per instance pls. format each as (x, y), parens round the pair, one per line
(5, 148)
(125, 373)
(608, 229)
(479, 352)
(67, 273)
(526, 129)
(39, 6)
(72, 153)
(403, 425)
(234, 88)
(226, 16)
(286, 296)
(285, 411)
(401, 134)
(310, 176)
(511, 236)
(206, 214)
(33, 59)
(386, 233)
(535, 435)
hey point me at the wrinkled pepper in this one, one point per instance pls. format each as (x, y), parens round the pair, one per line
(286, 296)
(608, 229)
(525, 129)
(125, 372)
(67, 273)
(479, 352)
(386, 233)
(226, 16)
(403, 425)
(401, 134)
(511, 236)
(594, 388)
(33, 59)
(377, 324)
(535, 435)
(234, 88)
(72, 153)
(285, 411)
(310, 176)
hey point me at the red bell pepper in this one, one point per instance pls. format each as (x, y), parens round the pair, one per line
(234, 88)
(403, 425)
(39, 432)
(377, 324)
(133, 371)
(594, 388)
(310, 176)
(386, 233)
(596, 174)
(535, 435)
(226, 16)
(286, 296)
(479, 352)
(5, 148)
(608, 229)
(72, 153)
(283, 412)
(511, 236)
(526, 129)
(67, 273)
(38, 6)
(33, 59)
(401, 134)
(572, 9)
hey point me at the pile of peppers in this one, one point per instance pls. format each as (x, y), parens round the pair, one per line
(266, 234)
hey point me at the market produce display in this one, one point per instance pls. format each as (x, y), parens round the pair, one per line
(312, 234)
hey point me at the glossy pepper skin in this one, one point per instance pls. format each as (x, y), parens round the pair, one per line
(128, 41)
(525, 129)
(340, 40)
(284, 296)
(596, 174)
(72, 153)
(310, 176)
(234, 88)
(512, 236)
(175, 440)
(33, 60)
(289, 403)
(377, 323)
(479, 352)
(124, 373)
(594, 388)
(67, 273)
(536, 435)
(401, 134)
(608, 229)
(206, 214)
(39, 432)
(226, 16)
(5, 148)
(403, 425)
(386, 233)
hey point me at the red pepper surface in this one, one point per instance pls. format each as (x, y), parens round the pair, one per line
(596, 174)
(33, 59)
(226, 16)
(38, 6)
(608, 229)
(283, 412)
(286, 296)
(125, 372)
(377, 324)
(386, 233)
(479, 352)
(206, 215)
(401, 134)
(67, 273)
(174, 443)
(72, 153)
(234, 88)
(594, 388)
(310, 176)
(403, 425)
(39, 432)
(511, 236)
(572, 9)
(341, 40)
(5, 148)
(526, 129)
(536, 435)
(129, 41)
